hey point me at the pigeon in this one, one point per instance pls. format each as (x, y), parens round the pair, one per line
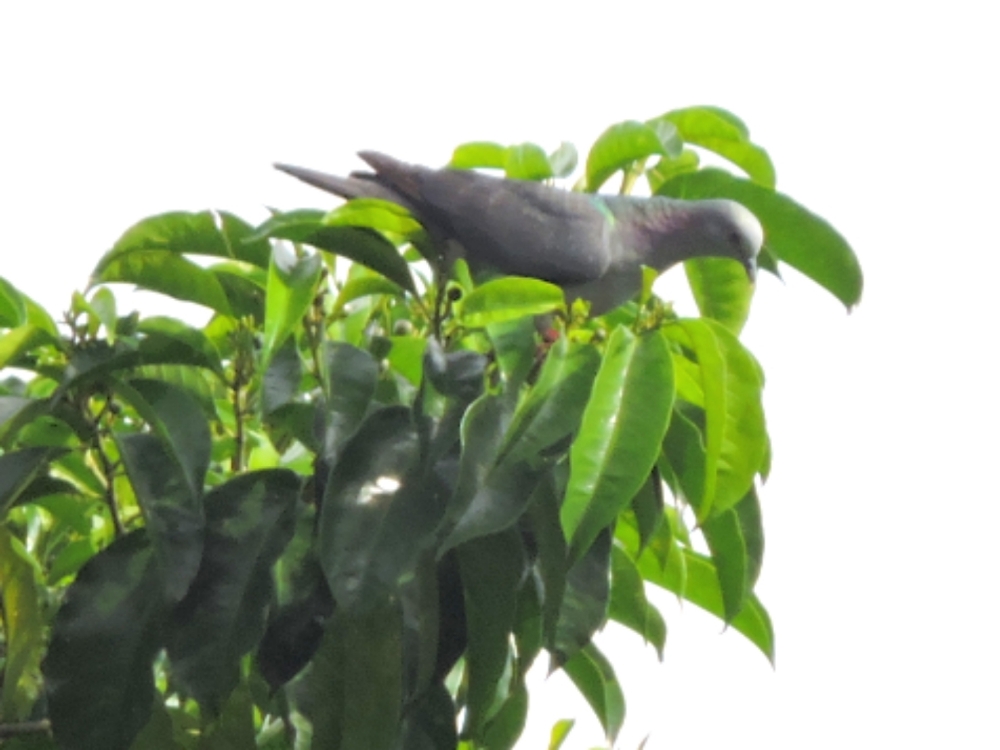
(591, 245)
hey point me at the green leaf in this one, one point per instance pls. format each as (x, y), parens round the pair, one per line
(378, 511)
(351, 691)
(209, 233)
(527, 161)
(291, 286)
(249, 520)
(563, 160)
(479, 154)
(233, 729)
(505, 727)
(103, 304)
(176, 418)
(795, 235)
(648, 503)
(364, 286)
(360, 244)
(629, 605)
(560, 731)
(555, 404)
(618, 147)
(490, 496)
(23, 628)
(594, 677)
(429, 724)
(514, 348)
(693, 576)
(173, 515)
(508, 298)
(19, 341)
(623, 425)
(351, 375)
(383, 216)
(13, 312)
(171, 342)
(98, 669)
(721, 290)
(18, 469)
(725, 134)
(282, 379)
(166, 272)
(550, 545)
(735, 431)
(669, 167)
(584, 601)
(491, 570)
(729, 555)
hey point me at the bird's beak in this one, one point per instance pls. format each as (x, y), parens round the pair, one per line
(751, 269)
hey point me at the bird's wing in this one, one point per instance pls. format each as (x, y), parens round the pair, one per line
(513, 226)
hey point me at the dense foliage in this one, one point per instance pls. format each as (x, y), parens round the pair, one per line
(360, 501)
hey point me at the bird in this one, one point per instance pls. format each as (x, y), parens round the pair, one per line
(591, 245)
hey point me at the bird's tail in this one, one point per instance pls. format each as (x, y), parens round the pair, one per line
(355, 186)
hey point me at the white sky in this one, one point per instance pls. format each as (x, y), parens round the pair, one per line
(880, 573)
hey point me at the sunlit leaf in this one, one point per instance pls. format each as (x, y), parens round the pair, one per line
(23, 628)
(595, 678)
(623, 424)
(509, 298)
(722, 132)
(795, 235)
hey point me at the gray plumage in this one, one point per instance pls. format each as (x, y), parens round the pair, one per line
(593, 246)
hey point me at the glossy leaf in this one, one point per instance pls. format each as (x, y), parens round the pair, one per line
(794, 234)
(371, 653)
(623, 425)
(351, 377)
(19, 341)
(166, 272)
(721, 290)
(373, 213)
(291, 285)
(23, 628)
(169, 341)
(564, 159)
(725, 134)
(18, 469)
(505, 727)
(555, 404)
(729, 556)
(509, 298)
(628, 603)
(479, 154)
(491, 570)
(490, 495)
(692, 576)
(669, 167)
(377, 513)
(595, 678)
(13, 312)
(359, 244)
(98, 669)
(526, 161)
(249, 520)
(177, 419)
(619, 147)
(585, 600)
(735, 430)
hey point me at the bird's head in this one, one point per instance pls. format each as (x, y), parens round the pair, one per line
(729, 230)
